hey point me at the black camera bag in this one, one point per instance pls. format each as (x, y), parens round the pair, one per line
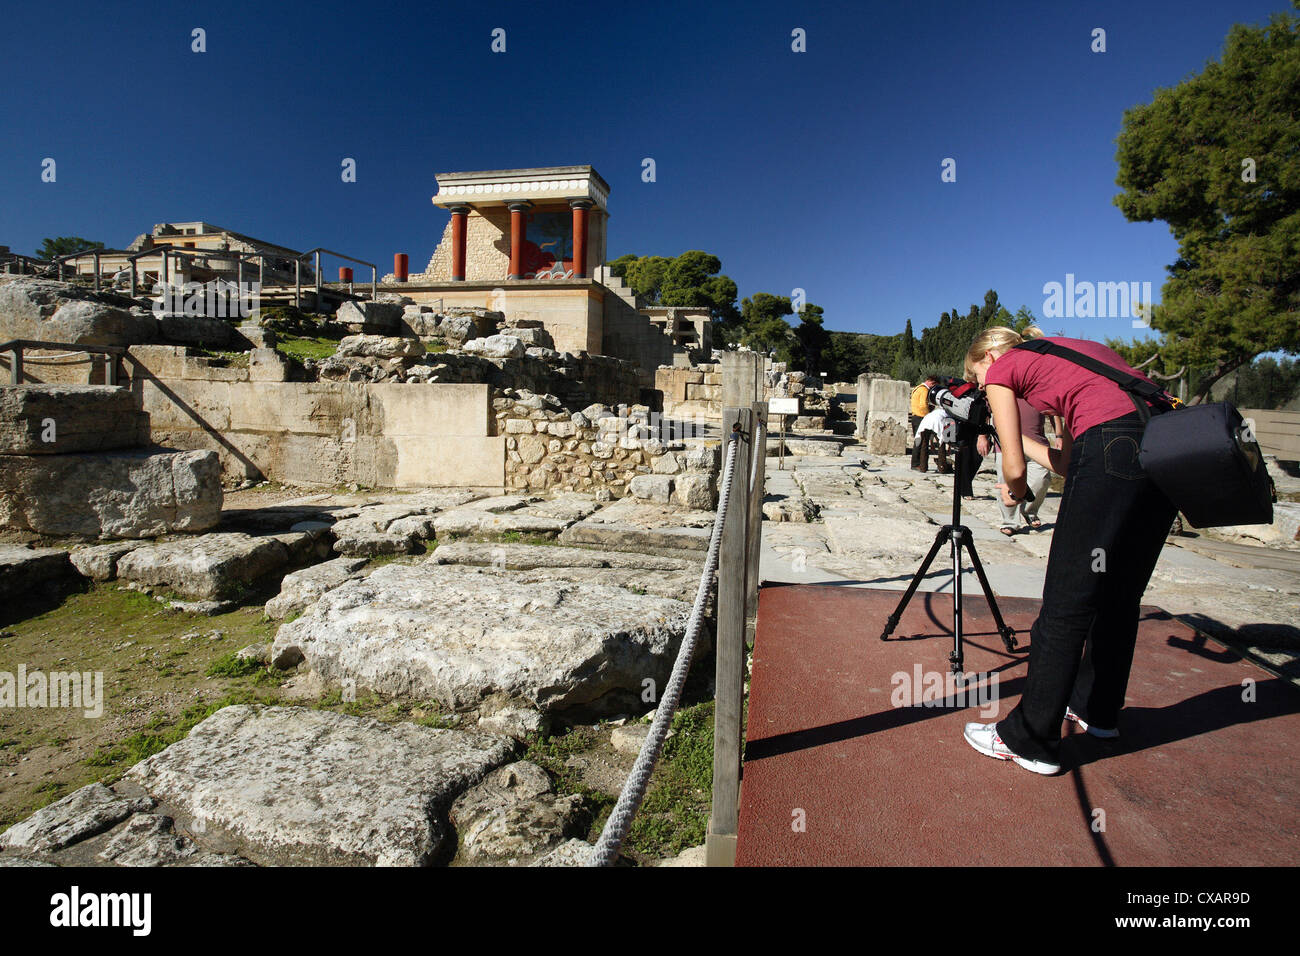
(1203, 457)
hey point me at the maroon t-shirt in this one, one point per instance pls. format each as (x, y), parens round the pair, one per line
(1059, 387)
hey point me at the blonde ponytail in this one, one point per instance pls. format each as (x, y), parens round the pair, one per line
(997, 337)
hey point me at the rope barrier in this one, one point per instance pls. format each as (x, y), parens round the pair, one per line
(758, 452)
(620, 819)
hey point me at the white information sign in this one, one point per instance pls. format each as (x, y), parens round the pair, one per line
(783, 406)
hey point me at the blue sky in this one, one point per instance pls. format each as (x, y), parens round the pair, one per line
(817, 170)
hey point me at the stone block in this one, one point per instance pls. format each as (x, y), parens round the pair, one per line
(196, 330)
(206, 567)
(25, 571)
(64, 419)
(267, 365)
(379, 316)
(652, 487)
(694, 491)
(126, 494)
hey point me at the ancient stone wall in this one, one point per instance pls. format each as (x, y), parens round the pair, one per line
(487, 248)
(389, 422)
(551, 447)
(74, 460)
(377, 434)
(885, 426)
(692, 391)
(629, 334)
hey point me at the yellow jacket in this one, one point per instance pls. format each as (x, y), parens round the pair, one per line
(920, 400)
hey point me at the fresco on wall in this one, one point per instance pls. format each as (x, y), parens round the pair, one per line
(548, 245)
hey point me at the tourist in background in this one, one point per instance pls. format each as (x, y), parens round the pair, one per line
(923, 438)
(1031, 429)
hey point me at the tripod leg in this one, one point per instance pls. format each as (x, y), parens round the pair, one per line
(1008, 633)
(916, 583)
(955, 659)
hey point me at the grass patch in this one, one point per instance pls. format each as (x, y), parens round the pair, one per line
(518, 537)
(232, 665)
(369, 704)
(162, 670)
(552, 753)
(675, 812)
(306, 346)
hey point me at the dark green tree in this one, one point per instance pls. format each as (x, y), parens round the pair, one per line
(65, 246)
(691, 279)
(763, 324)
(850, 354)
(812, 339)
(1217, 157)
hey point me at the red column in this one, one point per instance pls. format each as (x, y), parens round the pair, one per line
(401, 266)
(345, 273)
(517, 212)
(458, 214)
(580, 207)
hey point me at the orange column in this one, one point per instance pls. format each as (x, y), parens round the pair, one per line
(401, 266)
(580, 207)
(517, 224)
(458, 214)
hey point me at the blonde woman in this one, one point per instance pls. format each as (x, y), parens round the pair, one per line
(1110, 527)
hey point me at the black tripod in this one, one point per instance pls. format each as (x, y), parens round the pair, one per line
(960, 537)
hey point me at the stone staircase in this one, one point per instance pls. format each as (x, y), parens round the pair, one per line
(619, 288)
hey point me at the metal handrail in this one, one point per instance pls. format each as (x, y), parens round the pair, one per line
(316, 253)
(15, 348)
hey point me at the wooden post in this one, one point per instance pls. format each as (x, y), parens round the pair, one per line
(729, 679)
(754, 518)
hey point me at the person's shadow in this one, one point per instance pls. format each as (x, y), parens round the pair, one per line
(1213, 710)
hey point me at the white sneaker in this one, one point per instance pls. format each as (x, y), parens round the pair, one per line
(1101, 732)
(985, 739)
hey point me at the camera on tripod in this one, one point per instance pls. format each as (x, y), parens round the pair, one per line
(967, 407)
(968, 416)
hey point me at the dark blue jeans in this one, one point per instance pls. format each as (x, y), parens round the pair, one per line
(1109, 530)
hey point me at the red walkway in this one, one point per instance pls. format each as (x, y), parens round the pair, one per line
(1199, 777)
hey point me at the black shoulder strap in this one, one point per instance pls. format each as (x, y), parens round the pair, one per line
(1140, 390)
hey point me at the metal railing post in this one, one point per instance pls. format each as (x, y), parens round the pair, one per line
(729, 679)
(16, 366)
